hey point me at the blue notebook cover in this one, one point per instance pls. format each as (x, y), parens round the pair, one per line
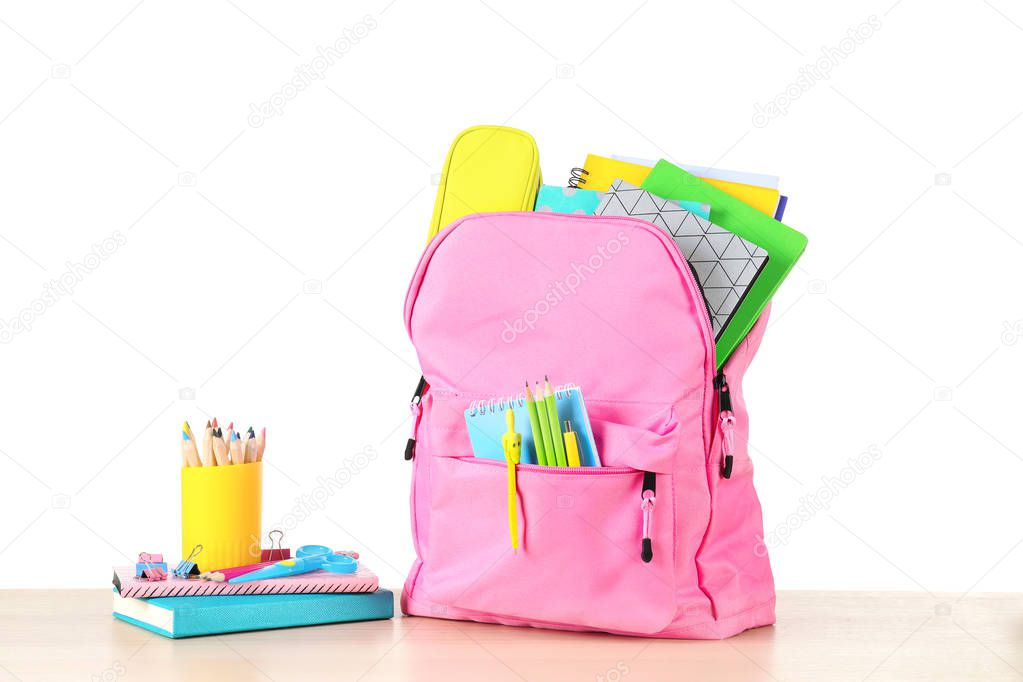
(551, 199)
(178, 617)
(486, 425)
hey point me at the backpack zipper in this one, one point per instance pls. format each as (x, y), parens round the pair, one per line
(706, 303)
(726, 423)
(417, 411)
(647, 498)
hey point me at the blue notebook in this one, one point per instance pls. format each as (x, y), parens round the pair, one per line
(486, 424)
(191, 616)
(551, 199)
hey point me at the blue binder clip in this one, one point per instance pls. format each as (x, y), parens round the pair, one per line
(187, 566)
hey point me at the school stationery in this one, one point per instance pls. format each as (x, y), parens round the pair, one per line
(485, 423)
(241, 570)
(658, 542)
(602, 171)
(552, 199)
(554, 423)
(206, 454)
(571, 445)
(779, 213)
(783, 245)
(711, 172)
(276, 552)
(178, 617)
(725, 265)
(221, 509)
(534, 425)
(220, 449)
(546, 435)
(488, 168)
(260, 444)
(187, 566)
(598, 172)
(151, 566)
(189, 451)
(237, 454)
(362, 580)
(512, 442)
(229, 573)
(708, 173)
(308, 558)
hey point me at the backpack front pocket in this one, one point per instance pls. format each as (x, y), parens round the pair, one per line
(579, 558)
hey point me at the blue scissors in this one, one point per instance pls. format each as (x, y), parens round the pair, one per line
(307, 558)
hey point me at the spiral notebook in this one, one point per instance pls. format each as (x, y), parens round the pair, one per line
(486, 424)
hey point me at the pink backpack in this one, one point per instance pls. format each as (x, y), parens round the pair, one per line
(666, 538)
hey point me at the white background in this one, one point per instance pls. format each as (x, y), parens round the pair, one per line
(898, 331)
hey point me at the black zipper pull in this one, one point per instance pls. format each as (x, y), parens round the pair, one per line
(417, 397)
(727, 422)
(648, 496)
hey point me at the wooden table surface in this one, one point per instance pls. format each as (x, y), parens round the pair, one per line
(70, 634)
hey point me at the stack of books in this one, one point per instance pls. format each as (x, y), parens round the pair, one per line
(180, 607)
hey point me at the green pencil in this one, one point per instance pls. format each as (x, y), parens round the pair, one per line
(534, 424)
(555, 423)
(545, 431)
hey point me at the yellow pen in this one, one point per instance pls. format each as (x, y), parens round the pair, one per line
(512, 443)
(571, 445)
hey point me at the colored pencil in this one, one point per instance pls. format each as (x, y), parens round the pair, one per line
(189, 453)
(220, 448)
(260, 444)
(206, 452)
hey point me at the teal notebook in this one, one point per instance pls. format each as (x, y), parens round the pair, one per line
(551, 199)
(486, 424)
(178, 617)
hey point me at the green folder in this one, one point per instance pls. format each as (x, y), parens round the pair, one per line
(784, 245)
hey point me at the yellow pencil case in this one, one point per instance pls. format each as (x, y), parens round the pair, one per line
(221, 509)
(488, 169)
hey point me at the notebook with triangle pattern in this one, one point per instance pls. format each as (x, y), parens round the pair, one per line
(725, 264)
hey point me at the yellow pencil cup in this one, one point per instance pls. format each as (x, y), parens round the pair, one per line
(222, 509)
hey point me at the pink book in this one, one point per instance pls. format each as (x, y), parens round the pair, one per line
(320, 582)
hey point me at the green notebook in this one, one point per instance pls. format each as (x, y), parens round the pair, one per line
(784, 245)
